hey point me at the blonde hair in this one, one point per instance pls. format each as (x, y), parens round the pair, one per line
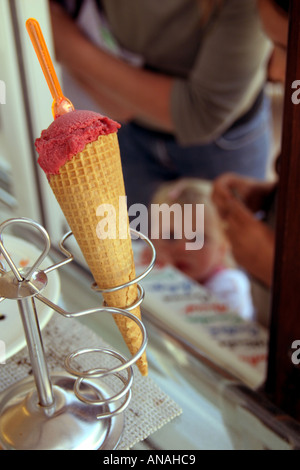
(187, 191)
(194, 191)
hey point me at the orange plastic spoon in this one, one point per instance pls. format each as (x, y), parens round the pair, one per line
(61, 104)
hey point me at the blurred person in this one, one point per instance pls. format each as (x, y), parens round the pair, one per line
(245, 204)
(184, 77)
(248, 206)
(211, 264)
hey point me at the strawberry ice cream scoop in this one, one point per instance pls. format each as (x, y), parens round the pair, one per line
(68, 135)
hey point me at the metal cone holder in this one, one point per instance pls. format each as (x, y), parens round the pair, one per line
(72, 410)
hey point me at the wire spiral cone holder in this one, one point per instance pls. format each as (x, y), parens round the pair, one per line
(67, 410)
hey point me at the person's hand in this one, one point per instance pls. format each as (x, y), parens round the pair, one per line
(252, 241)
(251, 192)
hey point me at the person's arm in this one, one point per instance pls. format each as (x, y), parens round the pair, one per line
(277, 65)
(197, 108)
(109, 106)
(142, 94)
(252, 242)
(275, 22)
(227, 76)
(276, 25)
(254, 194)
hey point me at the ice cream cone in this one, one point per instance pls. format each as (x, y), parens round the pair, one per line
(86, 185)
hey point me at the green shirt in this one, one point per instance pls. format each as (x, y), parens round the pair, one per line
(218, 69)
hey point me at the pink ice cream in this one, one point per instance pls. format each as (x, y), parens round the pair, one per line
(68, 135)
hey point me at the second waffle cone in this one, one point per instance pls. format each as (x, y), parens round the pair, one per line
(91, 179)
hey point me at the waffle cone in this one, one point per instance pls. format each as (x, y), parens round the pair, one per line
(84, 184)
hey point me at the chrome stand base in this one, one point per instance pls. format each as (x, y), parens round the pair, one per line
(64, 412)
(68, 424)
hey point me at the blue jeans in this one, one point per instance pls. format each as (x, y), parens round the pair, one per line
(150, 158)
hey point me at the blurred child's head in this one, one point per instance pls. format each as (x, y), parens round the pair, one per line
(199, 264)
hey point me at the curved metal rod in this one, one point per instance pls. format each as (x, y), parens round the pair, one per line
(66, 252)
(95, 374)
(110, 413)
(113, 311)
(138, 278)
(136, 303)
(119, 410)
(125, 393)
(139, 300)
(110, 310)
(22, 220)
(124, 365)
